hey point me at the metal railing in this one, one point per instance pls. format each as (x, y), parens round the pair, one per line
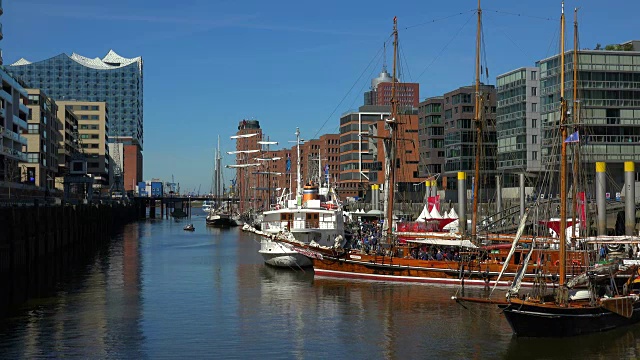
(298, 224)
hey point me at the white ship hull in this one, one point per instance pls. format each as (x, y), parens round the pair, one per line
(276, 254)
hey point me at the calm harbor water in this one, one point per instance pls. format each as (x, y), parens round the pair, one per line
(160, 292)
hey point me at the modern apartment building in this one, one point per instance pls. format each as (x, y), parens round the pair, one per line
(93, 129)
(460, 139)
(406, 176)
(43, 140)
(116, 80)
(609, 107)
(408, 94)
(518, 124)
(431, 136)
(69, 139)
(1, 33)
(356, 158)
(132, 162)
(13, 123)
(327, 149)
(247, 180)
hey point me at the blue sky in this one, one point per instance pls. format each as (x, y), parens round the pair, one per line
(208, 64)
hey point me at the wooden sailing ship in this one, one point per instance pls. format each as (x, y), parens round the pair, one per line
(471, 264)
(590, 302)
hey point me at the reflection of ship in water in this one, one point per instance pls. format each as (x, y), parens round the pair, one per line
(619, 344)
(412, 319)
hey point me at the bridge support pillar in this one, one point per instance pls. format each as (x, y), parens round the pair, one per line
(629, 198)
(462, 202)
(522, 197)
(601, 187)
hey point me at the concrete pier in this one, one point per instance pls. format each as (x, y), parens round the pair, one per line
(462, 202)
(601, 181)
(39, 243)
(629, 198)
(498, 194)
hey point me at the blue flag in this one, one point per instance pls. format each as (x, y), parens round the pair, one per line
(288, 164)
(573, 138)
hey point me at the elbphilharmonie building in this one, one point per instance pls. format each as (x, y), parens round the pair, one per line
(114, 79)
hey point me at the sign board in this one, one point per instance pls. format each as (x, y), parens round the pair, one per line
(607, 196)
(618, 196)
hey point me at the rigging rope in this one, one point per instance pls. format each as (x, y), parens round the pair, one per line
(446, 46)
(439, 19)
(348, 92)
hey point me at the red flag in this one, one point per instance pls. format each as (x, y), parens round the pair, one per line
(581, 208)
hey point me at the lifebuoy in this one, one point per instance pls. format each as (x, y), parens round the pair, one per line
(576, 262)
(278, 207)
(485, 275)
(554, 277)
(557, 262)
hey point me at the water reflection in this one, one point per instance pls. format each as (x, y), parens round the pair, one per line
(94, 314)
(158, 291)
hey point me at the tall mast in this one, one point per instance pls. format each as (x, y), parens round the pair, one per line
(576, 120)
(476, 177)
(218, 173)
(391, 142)
(563, 160)
(298, 183)
(319, 169)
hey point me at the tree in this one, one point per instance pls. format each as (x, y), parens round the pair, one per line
(598, 47)
(12, 172)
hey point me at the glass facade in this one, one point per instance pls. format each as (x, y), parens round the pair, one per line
(517, 122)
(609, 103)
(115, 80)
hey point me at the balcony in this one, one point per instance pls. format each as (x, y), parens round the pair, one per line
(13, 153)
(21, 123)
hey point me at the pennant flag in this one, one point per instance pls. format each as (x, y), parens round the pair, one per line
(573, 138)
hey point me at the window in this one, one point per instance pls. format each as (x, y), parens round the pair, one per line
(534, 155)
(84, 107)
(34, 128)
(534, 75)
(84, 117)
(33, 158)
(534, 91)
(534, 139)
(94, 107)
(534, 123)
(534, 107)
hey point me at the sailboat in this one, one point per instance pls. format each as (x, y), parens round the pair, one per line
(219, 216)
(590, 302)
(463, 260)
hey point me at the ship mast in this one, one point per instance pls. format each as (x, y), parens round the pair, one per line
(576, 120)
(476, 119)
(563, 161)
(390, 142)
(298, 180)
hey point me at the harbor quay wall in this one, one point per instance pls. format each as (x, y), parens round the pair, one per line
(40, 245)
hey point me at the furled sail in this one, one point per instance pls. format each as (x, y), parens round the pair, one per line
(242, 152)
(244, 136)
(241, 165)
(523, 223)
(517, 281)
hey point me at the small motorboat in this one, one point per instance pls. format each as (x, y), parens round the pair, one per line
(189, 227)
